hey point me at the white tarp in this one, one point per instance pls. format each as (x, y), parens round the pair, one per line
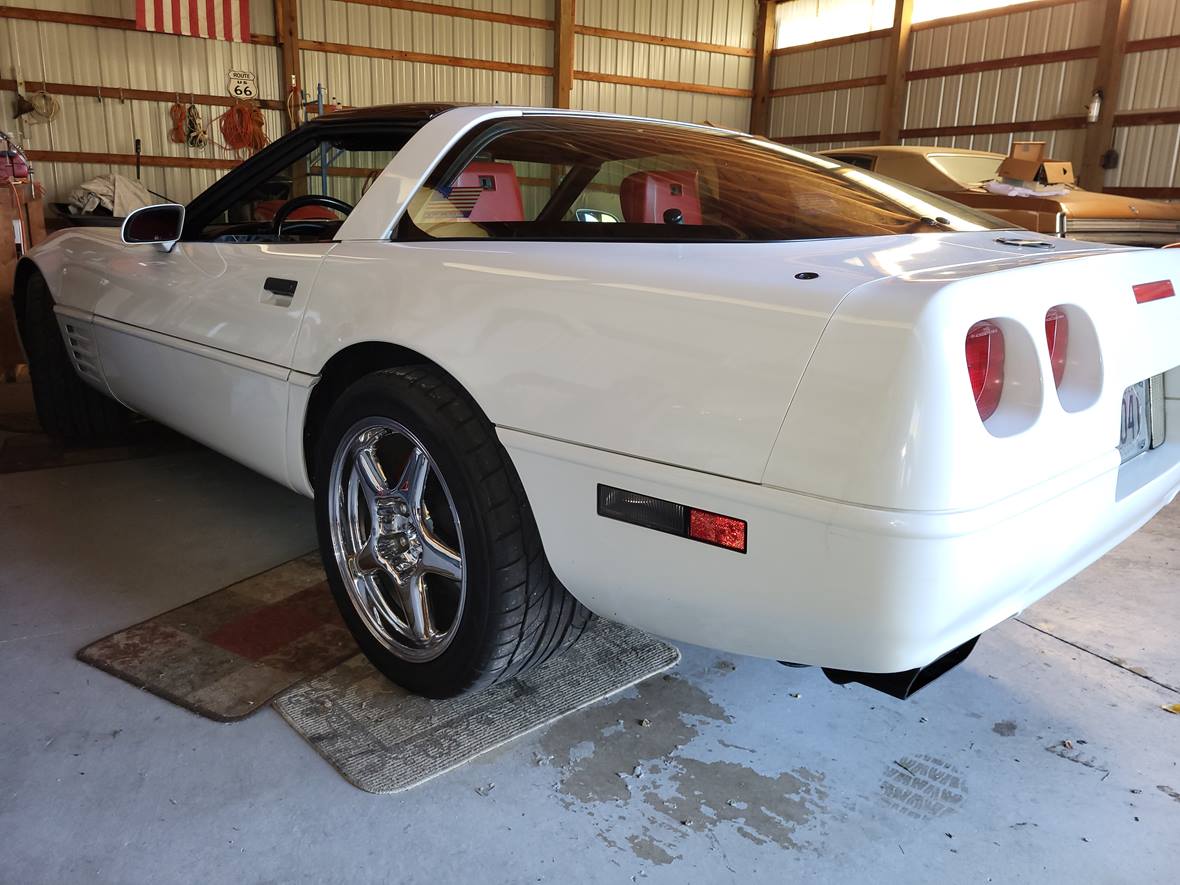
(118, 194)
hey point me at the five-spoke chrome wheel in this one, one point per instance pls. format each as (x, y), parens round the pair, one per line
(396, 539)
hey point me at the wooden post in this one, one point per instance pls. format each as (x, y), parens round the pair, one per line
(287, 37)
(563, 52)
(897, 63)
(764, 35)
(1107, 74)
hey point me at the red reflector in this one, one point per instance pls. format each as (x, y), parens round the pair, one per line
(712, 528)
(985, 366)
(1057, 336)
(1145, 292)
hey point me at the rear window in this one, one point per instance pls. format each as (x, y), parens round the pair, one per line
(562, 178)
(966, 169)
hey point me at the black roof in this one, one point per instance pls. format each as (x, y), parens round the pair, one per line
(385, 113)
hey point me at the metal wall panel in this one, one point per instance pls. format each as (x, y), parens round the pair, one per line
(359, 80)
(1149, 156)
(724, 22)
(113, 58)
(835, 111)
(720, 110)
(1031, 92)
(864, 59)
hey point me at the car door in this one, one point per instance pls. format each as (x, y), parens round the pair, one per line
(201, 337)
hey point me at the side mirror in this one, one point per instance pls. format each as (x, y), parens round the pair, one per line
(160, 224)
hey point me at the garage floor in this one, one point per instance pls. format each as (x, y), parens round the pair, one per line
(1037, 761)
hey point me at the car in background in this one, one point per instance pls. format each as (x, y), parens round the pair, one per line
(1079, 214)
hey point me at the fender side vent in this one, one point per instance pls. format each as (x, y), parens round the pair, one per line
(83, 351)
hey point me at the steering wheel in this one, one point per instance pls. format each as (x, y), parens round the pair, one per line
(292, 205)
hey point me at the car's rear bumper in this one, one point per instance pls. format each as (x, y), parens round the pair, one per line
(825, 582)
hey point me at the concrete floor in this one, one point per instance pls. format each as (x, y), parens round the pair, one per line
(747, 772)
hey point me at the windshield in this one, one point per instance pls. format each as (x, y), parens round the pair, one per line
(534, 177)
(968, 170)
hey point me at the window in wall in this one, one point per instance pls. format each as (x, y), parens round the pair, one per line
(809, 21)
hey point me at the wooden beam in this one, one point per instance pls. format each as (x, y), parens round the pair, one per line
(564, 14)
(1107, 74)
(119, 93)
(999, 64)
(672, 85)
(764, 34)
(1147, 193)
(1147, 118)
(429, 58)
(24, 13)
(1172, 41)
(154, 160)
(1052, 125)
(502, 18)
(660, 40)
(897, 59)
(829, 86)
(290, 74)
(821, 137)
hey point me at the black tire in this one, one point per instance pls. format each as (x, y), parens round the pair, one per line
(67, 407)
(516, 613)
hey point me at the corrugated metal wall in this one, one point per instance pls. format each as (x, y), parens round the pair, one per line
(109, 58)
(1033, 92)
(1149, 156)
(358, 81)
(856, 109)
(723, 22)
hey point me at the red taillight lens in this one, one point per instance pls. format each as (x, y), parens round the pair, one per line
(1057, 336)
(713, 528)
(985, 365)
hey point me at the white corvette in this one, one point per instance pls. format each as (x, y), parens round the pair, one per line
(534, 364)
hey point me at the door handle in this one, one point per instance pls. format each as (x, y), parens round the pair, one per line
(279, 286)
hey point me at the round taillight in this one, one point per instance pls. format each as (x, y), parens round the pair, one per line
(1057, 337)
(985, 366)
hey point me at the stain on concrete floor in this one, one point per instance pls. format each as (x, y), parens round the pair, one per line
(1005, 728)
(630, 751)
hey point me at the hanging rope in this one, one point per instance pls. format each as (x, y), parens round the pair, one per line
(244, 128)
(39, 107)
(187, 126)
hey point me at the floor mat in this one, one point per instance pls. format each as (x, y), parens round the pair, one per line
(226, 654)
(384, 740)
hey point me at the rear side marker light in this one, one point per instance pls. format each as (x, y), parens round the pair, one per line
(1145, 292)
(1057, 337)
(985, 366)
(675, 519)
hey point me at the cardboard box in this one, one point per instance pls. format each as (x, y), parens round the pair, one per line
(1023, 161)
(1058, 172)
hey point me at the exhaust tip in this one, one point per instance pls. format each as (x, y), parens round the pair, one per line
(903, 684)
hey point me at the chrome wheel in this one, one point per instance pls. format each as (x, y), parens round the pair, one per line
(396, 539)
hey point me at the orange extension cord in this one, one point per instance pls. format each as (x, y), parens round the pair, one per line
(243, 128)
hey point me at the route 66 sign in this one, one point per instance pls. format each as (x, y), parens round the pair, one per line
(242, 84)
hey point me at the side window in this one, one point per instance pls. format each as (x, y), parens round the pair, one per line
(341, 169)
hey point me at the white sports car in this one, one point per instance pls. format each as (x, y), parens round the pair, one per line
(533, 364)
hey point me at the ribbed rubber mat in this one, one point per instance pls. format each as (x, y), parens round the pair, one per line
(384, 740)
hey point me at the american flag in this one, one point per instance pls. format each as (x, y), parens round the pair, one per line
(220, 19)
(456, 205)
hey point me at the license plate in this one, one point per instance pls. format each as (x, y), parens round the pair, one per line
(1135, 423)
